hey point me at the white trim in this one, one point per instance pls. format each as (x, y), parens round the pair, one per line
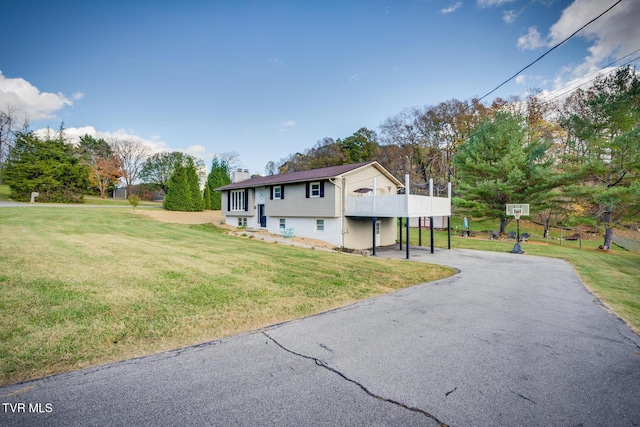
(277, 196)
(312, 190)
(237, 200)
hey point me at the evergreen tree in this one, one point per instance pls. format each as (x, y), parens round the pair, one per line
(158, 168)
(196, 202)
(602, 150)
(207, 197)
(218, 177)
(178, 197)
(500, 164)
(50, 167)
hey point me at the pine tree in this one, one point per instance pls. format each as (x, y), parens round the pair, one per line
(501, 164)
(207, 197)
(50, 167)
(195, 194)
(178, 197)
(218, 177)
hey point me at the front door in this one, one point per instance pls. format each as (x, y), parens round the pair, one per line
(378, 224)
(262, 216)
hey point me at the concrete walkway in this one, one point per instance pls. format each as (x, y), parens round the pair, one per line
(511, 340)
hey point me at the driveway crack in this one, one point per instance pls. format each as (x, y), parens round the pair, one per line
(362, 387)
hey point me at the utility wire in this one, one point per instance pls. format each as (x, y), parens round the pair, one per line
(549, 51)
(570, 87)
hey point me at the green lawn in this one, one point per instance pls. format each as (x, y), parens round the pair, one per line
(4, 192)
(87, 286)
(613, 276)
(82, 287)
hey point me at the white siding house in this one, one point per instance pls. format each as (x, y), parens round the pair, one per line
(344, 205)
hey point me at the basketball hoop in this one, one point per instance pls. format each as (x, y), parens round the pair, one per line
(517, 212)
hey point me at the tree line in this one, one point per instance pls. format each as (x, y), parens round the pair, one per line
(61, 172)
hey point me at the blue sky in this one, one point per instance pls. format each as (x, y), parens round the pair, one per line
(266, 79)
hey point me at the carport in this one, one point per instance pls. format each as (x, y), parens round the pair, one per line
(401, 206)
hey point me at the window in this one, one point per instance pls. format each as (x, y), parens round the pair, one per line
(277, 192)
(283, 224)
(320, 225)
(315, 189)
(237, 200)
(242, 222)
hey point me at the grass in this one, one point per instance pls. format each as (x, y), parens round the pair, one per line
(5, 192)
(110, 201)
(612, 275)
(82, 287)
(5, 195)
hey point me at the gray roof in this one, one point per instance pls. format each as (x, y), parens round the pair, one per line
(302, 176)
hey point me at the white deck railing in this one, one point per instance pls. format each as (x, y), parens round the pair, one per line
(397, 206)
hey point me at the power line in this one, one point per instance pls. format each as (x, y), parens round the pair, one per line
(571, 87)
(549, 51)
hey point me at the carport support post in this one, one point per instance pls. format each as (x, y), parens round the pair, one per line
(407, 238)
(449, 216)
(400, 232)
(419, 231)
(373, 235)
(431, 225)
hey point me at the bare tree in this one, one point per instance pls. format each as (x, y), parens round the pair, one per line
(10, 124)
(232, 159)
(131, 155)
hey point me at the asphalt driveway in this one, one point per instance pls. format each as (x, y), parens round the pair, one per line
(511, 340)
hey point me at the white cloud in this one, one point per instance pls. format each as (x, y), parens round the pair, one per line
(532, 40)
(491, 3)
(563, 88)
(196, 150)
(73, 135)
(613, 35)
(452, 8)
(509, 16)
(530, 81)
(27, 99)
(286, 125)
(78, 95)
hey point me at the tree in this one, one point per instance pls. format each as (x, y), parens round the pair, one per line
(430, 136)
(602, 149)
(157, 169)
(131, 155)
(183, 189)
(501, 164)
(207, 196)
(178, 193)
(10, 125)
(134, 201)
(105, 168)
(218, 177)
(270, 168)
(50, 167)
(362, 146)
(196, 202)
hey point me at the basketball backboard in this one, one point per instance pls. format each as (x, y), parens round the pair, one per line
(518, 210)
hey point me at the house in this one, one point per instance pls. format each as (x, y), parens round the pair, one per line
(352, 206)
